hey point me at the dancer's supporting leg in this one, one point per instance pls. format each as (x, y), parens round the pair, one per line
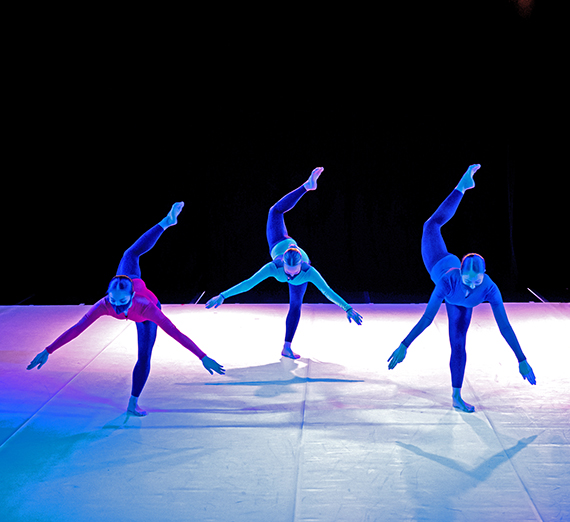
(459, 319)
(146, 334)
(146, 331)
(296, 294)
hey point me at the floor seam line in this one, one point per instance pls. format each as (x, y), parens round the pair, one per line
(532, 503)
(28, 420)
(301, 446)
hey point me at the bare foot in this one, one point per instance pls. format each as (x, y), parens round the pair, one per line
(287, 352)
(467, 182)
(172, 217)
(137, 412)
(311, 183)
(460, 404)
(133, 408)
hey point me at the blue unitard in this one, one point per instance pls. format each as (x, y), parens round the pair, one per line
(279, 241)
(444, 269)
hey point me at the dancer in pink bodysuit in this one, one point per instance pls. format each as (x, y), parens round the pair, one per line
(129, 298)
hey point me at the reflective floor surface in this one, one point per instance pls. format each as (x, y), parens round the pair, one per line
(333, 436)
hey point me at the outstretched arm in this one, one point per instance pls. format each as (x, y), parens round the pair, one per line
(157, 316)
(509, 334)
(317, 279)
(426, 319)
(263, 273)
(96, 311)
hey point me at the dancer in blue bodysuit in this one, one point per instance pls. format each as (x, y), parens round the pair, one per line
(462, 285)
(290, 265)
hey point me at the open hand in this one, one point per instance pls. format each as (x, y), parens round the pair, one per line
(526, 372)
(353, 315)
(215, 302)
(212, 366)
(39, 360)
(397, 357)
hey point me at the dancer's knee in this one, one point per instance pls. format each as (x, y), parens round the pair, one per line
(432, 224)
(458, 352)
(273, 211)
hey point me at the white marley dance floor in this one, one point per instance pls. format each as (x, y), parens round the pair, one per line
(334, 436)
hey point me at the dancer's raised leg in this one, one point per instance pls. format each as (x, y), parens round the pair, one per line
(129, 264)
(433, 246)
(276, 230)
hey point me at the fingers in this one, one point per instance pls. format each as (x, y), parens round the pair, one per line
(397, 357)
(38, 360)
(218, 369)
(526, 372)
(530, 377)
(215, 302)
(353, 315)
(212, 366)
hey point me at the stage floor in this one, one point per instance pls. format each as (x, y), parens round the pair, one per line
(334, 436)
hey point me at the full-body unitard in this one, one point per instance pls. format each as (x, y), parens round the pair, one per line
(460, 299)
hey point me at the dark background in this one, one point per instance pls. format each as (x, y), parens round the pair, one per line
(115, 116)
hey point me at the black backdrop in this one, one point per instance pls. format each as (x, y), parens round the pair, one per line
(107, 133)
